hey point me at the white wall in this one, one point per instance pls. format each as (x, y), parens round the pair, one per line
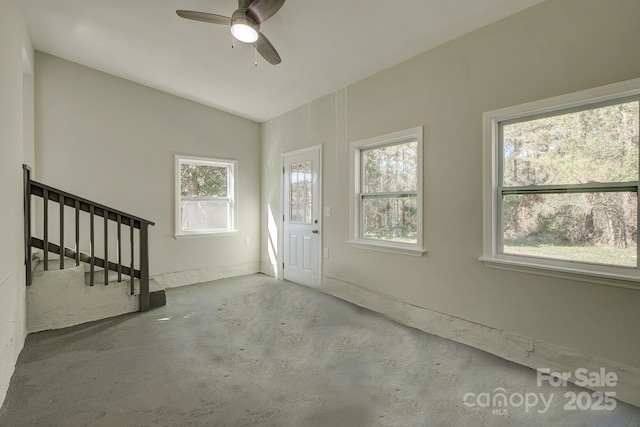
(113, 141)
(557, 47)
(13, 39)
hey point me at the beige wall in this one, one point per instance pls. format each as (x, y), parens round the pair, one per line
(557, 47)
(113, 141)
(13, 41)
(130, 134)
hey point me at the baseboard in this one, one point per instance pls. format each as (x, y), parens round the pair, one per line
(190, 277)
(522, 350)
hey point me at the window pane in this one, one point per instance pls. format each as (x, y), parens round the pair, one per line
(300, 213)
(199, 215)
(590, 227)
(390, 218)
(203, 180)
(596, 145)
(390, 169)
(300, 184)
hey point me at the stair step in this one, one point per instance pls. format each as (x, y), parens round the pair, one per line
(54, 263)
(56, 298)
(98, 279)
(98, 276)
(157, 298)
(35, 259)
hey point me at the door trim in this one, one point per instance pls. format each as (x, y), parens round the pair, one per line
(317, 148)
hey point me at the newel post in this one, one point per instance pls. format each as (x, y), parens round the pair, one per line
(26, 177)
(145, 299)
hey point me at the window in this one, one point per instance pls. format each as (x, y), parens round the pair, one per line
(205, 193)
(561, 192)
(387, 193)
(300, 192)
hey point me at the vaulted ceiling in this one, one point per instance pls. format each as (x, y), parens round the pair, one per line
(325, 45)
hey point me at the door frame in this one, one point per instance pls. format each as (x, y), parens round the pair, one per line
(283, 198)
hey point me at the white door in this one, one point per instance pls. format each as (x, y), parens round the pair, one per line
(302, 216)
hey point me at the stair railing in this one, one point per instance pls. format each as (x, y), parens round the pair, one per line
(33, 188)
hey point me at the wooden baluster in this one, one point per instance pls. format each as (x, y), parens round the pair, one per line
(77, 233)
(61, 202)
(27, 222)
(92, 245)
(132, 271)
(45, 198)
(106, 246)
(119, 221)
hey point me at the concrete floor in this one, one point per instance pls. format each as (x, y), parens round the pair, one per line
(256, 351)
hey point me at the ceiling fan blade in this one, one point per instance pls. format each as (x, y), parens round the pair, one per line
(261, 10)
(204, 17)
(266, 49)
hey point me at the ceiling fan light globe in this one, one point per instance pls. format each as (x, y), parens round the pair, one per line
(244, 33)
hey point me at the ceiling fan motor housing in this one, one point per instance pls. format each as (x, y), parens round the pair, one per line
(244, 28)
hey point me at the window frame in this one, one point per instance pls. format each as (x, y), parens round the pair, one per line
(232, 189)
(621, 276)
(356, 223)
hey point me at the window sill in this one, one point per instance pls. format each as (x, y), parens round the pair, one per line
(198, 235)
(629, 280)
(390, 248)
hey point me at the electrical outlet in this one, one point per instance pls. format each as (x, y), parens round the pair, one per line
(247, 241)
(325, 252)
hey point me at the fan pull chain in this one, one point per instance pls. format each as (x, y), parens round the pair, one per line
(255, 53)
(233, 42)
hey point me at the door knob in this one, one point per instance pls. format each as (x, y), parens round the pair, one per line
(315, 231)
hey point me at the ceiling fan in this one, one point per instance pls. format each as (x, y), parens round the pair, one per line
(245, 24)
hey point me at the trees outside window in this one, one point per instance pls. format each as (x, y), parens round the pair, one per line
(389, 192)
(570, 185)
(562, 184)
(205, 196)
(387, 198)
